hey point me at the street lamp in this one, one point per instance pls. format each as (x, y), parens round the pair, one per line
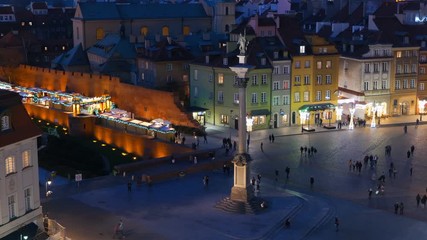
(48, 192)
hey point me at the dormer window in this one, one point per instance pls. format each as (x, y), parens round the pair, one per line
(263, 61)
(276, 55)
(302, 49)
(5, 123)
(225, 61)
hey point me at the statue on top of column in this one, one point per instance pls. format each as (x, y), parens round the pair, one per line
(243, 43)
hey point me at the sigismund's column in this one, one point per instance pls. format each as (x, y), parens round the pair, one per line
(241, 190)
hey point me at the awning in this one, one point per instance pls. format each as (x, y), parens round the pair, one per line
(196, 109)
(316, 107)
(260, 112)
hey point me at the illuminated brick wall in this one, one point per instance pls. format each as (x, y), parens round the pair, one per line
(145, 103)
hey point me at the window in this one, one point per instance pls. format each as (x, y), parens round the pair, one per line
(99, 33)
(375, 85)
(367, 70)
(385, 66)
(236, 81)
(236, 98)
(328, 64)
(306, 96)
(328, 79)
(254, 80)
(414, 68)
(254, 98)
(405, 83)
(398, 54)
(407, 53)
(302, 49)
(297, 80)
(286, 70)
(296, 97)
(414, 53)
(276, 100)
(220, 78)
(422, 70)
(384, 84)
(319, 96)
(306, 79)
(406, 68)
(263, 97)
(397, 84)
(169, 67)
(328, 94)
(399, 68)
(10, 165)
(165, 31)
(12, 206)
(264, 79)
(259, 120)
(285, 100)
(220, 96)
(319, 64)
(276, 70)
(186, 30)
(210, 78)
(376, 52)
(423, 58)
(286, 84)
(376, 67)
(196, 72)
(297, 64)
(421, 86)
(5, 123)
(412, 84)
(144, 31)
(26, 160)
(28, 200)
(276, 85)
(366, 86)
(224, 118)
(319, 79)
(225, 61)
(307, 64)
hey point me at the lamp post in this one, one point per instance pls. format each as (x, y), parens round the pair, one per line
(48, 192)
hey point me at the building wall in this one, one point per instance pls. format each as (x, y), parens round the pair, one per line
(15, 184)
(281, 111)
(204, 83)
(299, 88)
(422, 82)
(144, 103)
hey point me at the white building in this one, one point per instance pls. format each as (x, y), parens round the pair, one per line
(19, 188)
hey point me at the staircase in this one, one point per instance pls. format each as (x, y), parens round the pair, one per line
(232, 206)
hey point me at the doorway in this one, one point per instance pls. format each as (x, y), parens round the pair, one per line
(275, 120)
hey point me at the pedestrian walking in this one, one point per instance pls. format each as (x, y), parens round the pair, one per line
(418, 198)
(129, 186)
(405, 129)
(277, 174)
(396, 207)
(410, 171)
(401, 208)
(337, 224)
(370, 193)
(272, 138)
(287, 170)
(412, 150)
(301, 150)
(269, 138)
(205, 139)
(262, 147)
(408, 154)
(195, 160)
(119, 230)
(423, 201)
(206, 181)
(311, 181)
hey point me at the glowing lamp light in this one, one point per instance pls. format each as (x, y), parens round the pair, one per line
(114, 149)
(103, 145)
(124, 154)
(65, 129)
(94, 141)
(40, 121)
(134, 158)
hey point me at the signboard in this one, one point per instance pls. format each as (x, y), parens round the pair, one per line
(78, 177)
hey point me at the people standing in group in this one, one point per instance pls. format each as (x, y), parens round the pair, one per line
(272, 138)
(401, 208)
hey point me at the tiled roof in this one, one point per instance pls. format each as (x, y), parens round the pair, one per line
(39, 5)
(6, 10)
(291, 32)
(74, 57)
(22, 127)
(266, 21)
(113, 45)
(165, 51)
(91, 11)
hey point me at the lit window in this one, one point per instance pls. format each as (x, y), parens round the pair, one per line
(306, 79)
(319, 96)
(328, 64)
(328, 79)
(306, 96)
(421, 86)
(165, 31)
(186, 30)
(30, 23)
(26, 160)
(307, 64)
(302, 49)
(99, 33)
(196, 91)
(412, 83)
(63, 47)
(45, 48)
(10, 165)
(236, 98)
(319, 79)
(220, 78)
(319, 64)
(297, 80)
(286, 84)
(297, 64)
(397, 84)
(398, 54)
(22, 23)
(144, 31)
